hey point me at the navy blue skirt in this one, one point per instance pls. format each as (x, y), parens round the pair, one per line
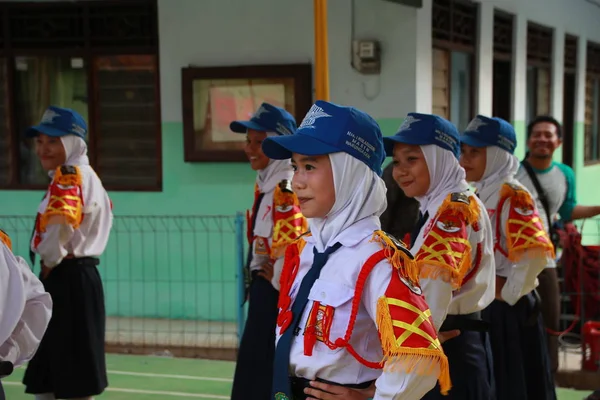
(254, 369)
(470, 359)
(521, 361)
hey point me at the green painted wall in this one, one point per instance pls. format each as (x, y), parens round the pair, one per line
(171, 256)
(166, 257)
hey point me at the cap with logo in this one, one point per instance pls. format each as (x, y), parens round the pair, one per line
(330, 128)
(267, 118)
(59, 121)
(484, 132)
(424, 129)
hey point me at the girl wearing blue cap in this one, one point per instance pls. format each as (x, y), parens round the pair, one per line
(350, 303)
(453, 247)
(522, 250)
(25, 310)
(71, 232)
(275, 221)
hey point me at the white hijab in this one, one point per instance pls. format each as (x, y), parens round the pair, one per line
(445, 176)
(276, 171)
(500, 167)
(75, 150)
(359, 194)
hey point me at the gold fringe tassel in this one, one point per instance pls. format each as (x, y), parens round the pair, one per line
(518, 198)
(398, 258)
(468, 212)
(420, 361)
(69, 179)
(433, 269)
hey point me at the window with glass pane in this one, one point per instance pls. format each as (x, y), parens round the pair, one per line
(40, 82)
(126, 121)
(460, 89)
(5, 156)
(592, 118)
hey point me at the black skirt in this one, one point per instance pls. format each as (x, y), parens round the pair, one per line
(521, 361)
(470, 360)
(70, 361)
(254, 368)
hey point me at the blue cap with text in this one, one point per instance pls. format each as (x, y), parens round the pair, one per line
(57, 122)
(330, 128)
(424, 129)
(484, 132)
(267, 118)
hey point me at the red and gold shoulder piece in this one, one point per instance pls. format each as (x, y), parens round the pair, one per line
(65, 202)
(525, 233)
(288, 221)
(446, 251)
(408, 336)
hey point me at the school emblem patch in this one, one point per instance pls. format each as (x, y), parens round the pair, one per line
(449, 224)
(262, 246)
(281, 396)
(524, 211)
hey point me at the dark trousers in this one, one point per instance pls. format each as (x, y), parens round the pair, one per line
(2, 395)
(471, 371)
(549, 292)
(254, 368)
(520, 352)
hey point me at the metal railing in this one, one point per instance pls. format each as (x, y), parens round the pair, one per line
(579, 279)
(172, 283)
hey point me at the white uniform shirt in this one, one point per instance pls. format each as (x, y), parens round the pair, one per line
(478, 291)
(25, 309)
(91, 238)
(521, 276)
(335, 287)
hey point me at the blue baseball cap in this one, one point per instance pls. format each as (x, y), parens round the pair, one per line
(267, 118)
(484, 132)
(57, 122)
(424, 129)
(330, 128)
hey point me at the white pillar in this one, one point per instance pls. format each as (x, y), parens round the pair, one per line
(485, 60)
(519, 92)
(580, 81)
(557, 80)
(424, 83)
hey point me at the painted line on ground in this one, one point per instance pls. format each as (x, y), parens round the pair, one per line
(188, 377)
(152, 392)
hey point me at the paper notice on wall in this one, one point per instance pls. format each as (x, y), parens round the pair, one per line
(230, 103)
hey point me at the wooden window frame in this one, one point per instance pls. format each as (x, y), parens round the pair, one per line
(539, 55)
(87, 50)
(452, 42)
(503, 25)
(300, 73)
(592, 73)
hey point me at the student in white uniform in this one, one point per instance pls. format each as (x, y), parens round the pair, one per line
(275, 221)
(453, 247)
(522, 250)
(25, 310)
(350, 303)
(71, 232)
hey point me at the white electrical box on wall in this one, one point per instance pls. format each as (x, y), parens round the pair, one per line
(366, 56)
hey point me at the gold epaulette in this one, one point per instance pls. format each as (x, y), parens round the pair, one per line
(462, 205)
(519, 197)
(398, 255)
(68, 175)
